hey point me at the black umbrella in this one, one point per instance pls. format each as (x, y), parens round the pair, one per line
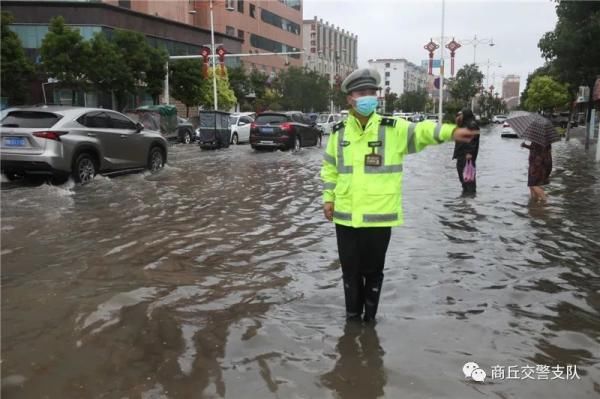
(534, 127)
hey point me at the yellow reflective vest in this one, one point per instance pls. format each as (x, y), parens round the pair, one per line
(371, 196)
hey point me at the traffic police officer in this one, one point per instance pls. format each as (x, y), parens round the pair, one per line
(362, 193)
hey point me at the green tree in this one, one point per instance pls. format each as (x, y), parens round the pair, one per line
(258, 83)
(466, 84)
(339, 97)
(64, 56)
(391, 100)
(16, 68)
(156, 72)
(545, 94)
(186, 82)
(546, 70)
(225, 96)
(304, 90)
(239, 82)
(413, 101)
(572, 45)
(107, 70)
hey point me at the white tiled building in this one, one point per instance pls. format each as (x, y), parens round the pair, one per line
(329, 50)
(399, 75)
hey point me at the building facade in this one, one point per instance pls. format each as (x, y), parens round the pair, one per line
(399, 75)
(263, 26)
(510, 91)
(329, 50)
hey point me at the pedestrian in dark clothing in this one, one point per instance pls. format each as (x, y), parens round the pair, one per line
(540, 167)
(464, 152)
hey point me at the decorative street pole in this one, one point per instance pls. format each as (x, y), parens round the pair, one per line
(431, 47)
(452, 46)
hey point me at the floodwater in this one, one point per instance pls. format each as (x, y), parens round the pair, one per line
(218, 278)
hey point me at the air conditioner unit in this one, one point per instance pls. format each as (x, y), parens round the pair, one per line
(230, 4)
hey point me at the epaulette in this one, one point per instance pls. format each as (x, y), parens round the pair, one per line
(337, 126)
(388, 121)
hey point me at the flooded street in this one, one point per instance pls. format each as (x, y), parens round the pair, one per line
(219, 278)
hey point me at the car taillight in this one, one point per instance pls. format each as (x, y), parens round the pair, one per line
(286, 127)
(253, 125)
(50, 135)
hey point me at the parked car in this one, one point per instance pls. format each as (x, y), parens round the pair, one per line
(508, 132)
(562, 119)
(432, 117)
(284, 130)
(499, 118)
(240, 127)
(416, 117)
(59, 141)
(163, 118)
(215, 131)
(326, 122)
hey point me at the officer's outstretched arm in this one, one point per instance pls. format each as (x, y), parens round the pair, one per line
(425, 133)
(329, 172)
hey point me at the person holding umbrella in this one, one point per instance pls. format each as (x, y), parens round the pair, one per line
(542, 134)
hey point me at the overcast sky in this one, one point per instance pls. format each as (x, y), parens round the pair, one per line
(400, 29)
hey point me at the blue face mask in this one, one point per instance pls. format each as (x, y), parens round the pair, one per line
(366, 105)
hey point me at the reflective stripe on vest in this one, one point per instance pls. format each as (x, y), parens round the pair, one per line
(368, 218)
(328, 158)
(342, 215)
(368, 169)
(436, 133)
(411, 146)
(340, 161)
(329, 186)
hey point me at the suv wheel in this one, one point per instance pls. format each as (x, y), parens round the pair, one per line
(156, 159)
(84, 168)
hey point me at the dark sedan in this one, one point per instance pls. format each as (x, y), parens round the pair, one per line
(284, 130)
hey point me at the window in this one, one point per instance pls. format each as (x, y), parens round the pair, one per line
(272, 46)
(125, 3)
(387, 74)
(252, 10)
(120, 122)
(30, 119)
(240, 6)
(96, 119)
(276, 20)
(241, 34)
(387, 82)
(230, 30)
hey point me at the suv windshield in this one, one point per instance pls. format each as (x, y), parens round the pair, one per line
(272, 119)
(30, 119)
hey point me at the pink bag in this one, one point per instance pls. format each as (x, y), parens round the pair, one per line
(469, 172)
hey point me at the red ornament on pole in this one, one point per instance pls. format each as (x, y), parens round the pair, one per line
(205, 53)
(452, 46)
(221, 53)
(431, 47)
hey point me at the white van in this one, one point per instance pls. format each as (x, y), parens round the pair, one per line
(327, 121)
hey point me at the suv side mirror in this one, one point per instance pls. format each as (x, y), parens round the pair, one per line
(139, 127)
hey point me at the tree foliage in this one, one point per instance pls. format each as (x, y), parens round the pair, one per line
(16, 68)
(65, 55)
(572, 46)
(225, 96)
(304, 90)
(186, 82)
(412, 101)
(545, 93)
(466, 84)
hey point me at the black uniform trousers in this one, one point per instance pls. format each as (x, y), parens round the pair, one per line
(362, 254)
(470, 187)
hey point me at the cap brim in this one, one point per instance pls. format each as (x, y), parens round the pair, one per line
(363, 86)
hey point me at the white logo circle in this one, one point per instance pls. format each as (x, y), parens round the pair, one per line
(472, 370)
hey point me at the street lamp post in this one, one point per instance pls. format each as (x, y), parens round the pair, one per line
(474, 42)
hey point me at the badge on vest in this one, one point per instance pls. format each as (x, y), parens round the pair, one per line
(345, 143)
(373, 159)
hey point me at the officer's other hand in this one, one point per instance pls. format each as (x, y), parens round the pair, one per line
(459, 118)
(328, 210)
(464, 135)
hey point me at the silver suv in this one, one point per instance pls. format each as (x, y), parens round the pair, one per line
(60, 141)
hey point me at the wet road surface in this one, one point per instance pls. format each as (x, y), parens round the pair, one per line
(218, 277)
